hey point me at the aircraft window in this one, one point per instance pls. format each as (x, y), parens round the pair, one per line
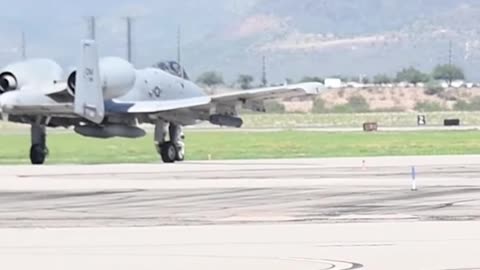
(173, 68)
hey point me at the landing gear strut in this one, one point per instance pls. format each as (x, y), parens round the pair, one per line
(173, 150)
(38, 151)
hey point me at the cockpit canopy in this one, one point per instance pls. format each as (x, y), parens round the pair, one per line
(173, 68)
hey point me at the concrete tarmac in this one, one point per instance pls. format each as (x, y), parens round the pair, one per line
(271, 214)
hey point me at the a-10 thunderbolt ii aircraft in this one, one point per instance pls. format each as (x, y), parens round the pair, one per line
(108, 97)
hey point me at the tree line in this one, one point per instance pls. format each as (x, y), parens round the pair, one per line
(447, 73)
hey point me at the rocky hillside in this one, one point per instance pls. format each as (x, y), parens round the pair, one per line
(325, 37)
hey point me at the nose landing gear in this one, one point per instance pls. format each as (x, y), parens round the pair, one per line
(39, 150)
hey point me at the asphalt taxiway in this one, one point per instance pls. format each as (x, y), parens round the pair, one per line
(271, 214)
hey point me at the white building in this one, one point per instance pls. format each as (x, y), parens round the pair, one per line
(333, 83)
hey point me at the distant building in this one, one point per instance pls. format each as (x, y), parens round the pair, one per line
(355, 85)
(333, 83)
(454, 84)
(458, 84)
(444, 84)
(405, 84)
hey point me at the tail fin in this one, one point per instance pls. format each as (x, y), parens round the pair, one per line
(89, 102)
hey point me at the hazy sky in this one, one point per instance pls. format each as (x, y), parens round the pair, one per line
(54, 27)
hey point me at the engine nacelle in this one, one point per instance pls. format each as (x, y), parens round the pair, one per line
(117, 76)
(33, 71)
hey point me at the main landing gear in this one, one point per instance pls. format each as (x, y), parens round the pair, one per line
(170, 151)
(39, 150)
(174, 149)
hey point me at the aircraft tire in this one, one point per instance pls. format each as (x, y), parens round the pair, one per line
(38, 154)
(168, 152)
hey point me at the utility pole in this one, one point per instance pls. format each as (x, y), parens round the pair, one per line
(129, 21)
(264, 71)
(24, 46)
(450, 53)
(179, 50)
(450, 63)
(179, 45)
(92, 28)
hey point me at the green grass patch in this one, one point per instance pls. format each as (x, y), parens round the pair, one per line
(71, 148)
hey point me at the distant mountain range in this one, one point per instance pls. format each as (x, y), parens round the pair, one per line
(298, 37)
(349, 37)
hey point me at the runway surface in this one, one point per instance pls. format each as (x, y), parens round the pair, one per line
(279, 214)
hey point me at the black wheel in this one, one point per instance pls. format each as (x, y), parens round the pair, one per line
(168, 152)
(38, 154)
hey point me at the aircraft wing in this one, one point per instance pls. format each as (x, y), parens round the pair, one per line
(50, 100)
(286, 91)
(47, 109)
(205, 102)
(155, 106)
(112, 106)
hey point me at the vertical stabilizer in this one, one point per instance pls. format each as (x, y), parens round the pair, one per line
(89, 102)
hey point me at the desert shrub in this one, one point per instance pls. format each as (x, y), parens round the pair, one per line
(273, 106)
(473, 105)
(382, 79)
(356, 104)
(433, 89)
(319, 106)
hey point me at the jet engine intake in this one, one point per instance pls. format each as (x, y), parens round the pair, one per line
(72, 81)
(8, 82)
